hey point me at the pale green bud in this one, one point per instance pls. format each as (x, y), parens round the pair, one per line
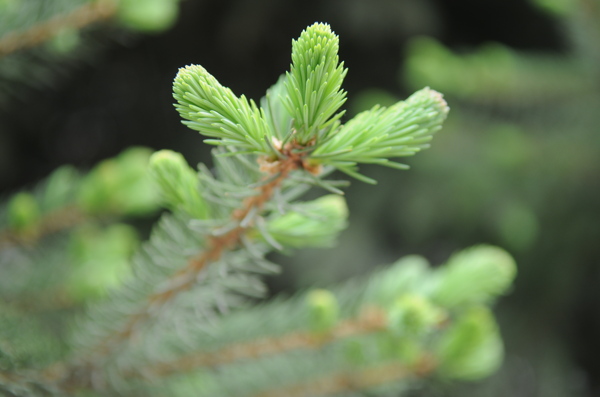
(148, 15)
(178, 183)
(94, 195)
(475, 275)
(316, 223)
(100, 259)
(406, 275)
(120, 185)
(472, 348)
(60, 187)
(23, 212)
(136, 192)
(413, 315)
(323, 310)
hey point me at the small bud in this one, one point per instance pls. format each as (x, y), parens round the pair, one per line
(23, 212)
(323, 310)
(148, 15)
(60, 188)
(475, 275)
(100, 259)
(406, 275)
(315, 223)
(120, 185)
(472, 348)
(178, 183)
(136, 193)
(94, 193)
(413, 315)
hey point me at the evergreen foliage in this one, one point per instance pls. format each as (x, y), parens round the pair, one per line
(313, 92)
(186, 317)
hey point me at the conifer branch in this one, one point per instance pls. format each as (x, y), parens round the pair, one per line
(370, 320)
(346, 381)
(205, 260)
(87, 14)
(237, 123)
(217, 245)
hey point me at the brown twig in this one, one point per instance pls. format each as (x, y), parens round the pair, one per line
(371, 320)
(85, 15)
(359, 379)
(216, 246)
(78, 373)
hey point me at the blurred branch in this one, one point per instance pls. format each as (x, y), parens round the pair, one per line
(369, 321)
(345, 381)
(83, 16)
(185, 278)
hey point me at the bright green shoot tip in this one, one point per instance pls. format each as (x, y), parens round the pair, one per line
(216, 112)
(300, 115)
(314, 82)
(377, 135)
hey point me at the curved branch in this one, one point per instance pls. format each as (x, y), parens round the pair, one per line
(369, 321)
(359, 379)
(78, 372)
(83, 16)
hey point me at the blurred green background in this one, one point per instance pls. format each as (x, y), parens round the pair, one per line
(517, 164)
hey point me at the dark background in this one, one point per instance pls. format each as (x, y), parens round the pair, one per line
(122, 97)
